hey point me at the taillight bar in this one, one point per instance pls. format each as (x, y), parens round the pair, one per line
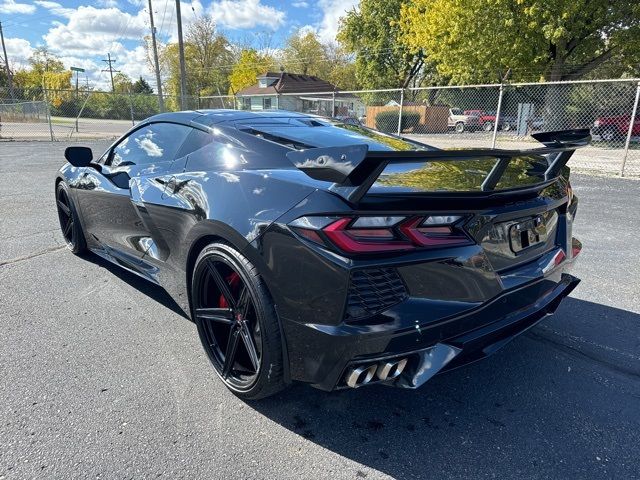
(353, 242)
(366, 234)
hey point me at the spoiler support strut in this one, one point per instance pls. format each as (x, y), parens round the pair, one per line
(354, 169)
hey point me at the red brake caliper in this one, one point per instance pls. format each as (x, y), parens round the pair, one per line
(234, 283)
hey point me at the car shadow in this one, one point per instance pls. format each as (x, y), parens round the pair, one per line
(530, 410)
(151, 290)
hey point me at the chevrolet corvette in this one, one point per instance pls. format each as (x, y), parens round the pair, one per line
(311, 250)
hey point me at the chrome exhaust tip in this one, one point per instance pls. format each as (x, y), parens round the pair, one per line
(358, 376)
(390, 369)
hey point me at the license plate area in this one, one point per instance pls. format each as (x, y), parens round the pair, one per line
(528, 233)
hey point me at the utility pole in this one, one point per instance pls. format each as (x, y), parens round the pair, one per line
(183, 73)
(6, 64)
(109, 61)
(155, 60)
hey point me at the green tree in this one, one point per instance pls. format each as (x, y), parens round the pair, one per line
(477, 41)
(208, 56)
(141, 86)
(373, 34)
(122, 83)
(45, 71)
(305, 54)
(249, 66)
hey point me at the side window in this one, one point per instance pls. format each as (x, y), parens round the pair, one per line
(266, 103)
(196, 140)
(155, 143)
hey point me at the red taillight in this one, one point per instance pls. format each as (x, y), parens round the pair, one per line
(358, 241)
(381, 234)
(431, 236)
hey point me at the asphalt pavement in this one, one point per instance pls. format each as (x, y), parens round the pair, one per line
(100, 376)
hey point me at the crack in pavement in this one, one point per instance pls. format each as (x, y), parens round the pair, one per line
(32, 255)
(27, 235)
(576, 352)
(577, 339)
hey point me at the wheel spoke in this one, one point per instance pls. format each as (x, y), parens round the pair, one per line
(244, 301)
(222, 285)
(250, 345)
(64, 208)
(230, 354)
(221, 315)
(68, 227)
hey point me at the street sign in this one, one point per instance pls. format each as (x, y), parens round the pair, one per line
(77, 69)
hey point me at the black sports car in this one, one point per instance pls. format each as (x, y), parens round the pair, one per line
(311, 250)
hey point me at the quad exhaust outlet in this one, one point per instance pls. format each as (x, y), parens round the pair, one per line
(363, 374)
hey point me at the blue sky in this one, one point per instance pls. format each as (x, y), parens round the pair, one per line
(82, 33)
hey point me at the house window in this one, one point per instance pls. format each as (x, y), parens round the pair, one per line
(266, 103)
(246, 103)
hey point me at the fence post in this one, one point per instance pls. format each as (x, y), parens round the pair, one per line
(497, 122)
(333, 104)
(46, 101)
(632, 120)
(80, 113)
(400, 112)
(133, 122)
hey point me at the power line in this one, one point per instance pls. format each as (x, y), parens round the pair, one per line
(183, 72)
(109, 61)
(155, 58)
(6, 64)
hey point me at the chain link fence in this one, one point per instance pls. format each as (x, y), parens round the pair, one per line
(502, 116)
(62, 115)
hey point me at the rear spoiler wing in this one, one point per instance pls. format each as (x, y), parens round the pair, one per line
(355, 168)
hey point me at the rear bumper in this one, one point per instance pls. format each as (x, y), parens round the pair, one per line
(322, 355)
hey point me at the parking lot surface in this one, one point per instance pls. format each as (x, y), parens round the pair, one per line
(100, 376)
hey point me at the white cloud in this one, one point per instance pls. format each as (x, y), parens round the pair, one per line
(18, 50)
(300, 4)
(94, 31)
(11, 6)
(55, 8)
(332, 11)
(239, 14)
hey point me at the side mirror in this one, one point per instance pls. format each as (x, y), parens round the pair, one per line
(78, 156)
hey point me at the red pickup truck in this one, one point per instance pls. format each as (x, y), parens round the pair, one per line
(615, 127)
(488, 120)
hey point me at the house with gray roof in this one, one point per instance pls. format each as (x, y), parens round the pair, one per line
(300, 93)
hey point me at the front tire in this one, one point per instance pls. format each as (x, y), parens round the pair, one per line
(459, 127)
(488, 126)
(69, 222)
(610, 134)
(237, 322)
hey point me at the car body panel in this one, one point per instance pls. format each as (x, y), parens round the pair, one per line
(240, 188)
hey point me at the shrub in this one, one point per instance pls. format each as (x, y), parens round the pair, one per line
(387, 121)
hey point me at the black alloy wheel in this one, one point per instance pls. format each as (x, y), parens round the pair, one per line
(232, 310)
(69, 224)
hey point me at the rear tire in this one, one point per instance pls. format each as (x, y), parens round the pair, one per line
(488, 126)
(610, 134)
(237, 322)
(69, 222)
